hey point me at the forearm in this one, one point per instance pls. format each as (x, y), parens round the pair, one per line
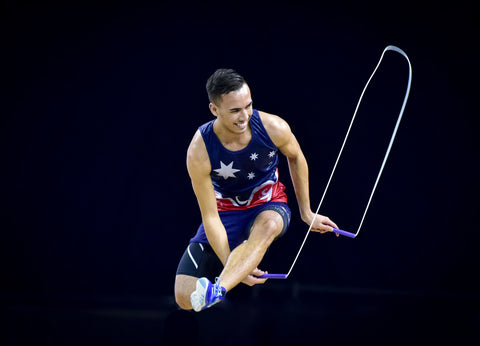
(217, 237)
(299, 173)
(199, 169)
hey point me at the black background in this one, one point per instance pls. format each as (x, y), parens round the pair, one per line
(99, 104)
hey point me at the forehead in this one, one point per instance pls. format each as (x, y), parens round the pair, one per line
(237, 99)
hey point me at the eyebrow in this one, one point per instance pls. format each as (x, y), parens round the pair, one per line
(237, 109)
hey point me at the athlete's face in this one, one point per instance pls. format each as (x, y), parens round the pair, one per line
(234, 110)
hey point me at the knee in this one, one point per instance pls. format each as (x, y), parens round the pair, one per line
(274, 228)
(183, 300)
(182, 295)
(271, 229)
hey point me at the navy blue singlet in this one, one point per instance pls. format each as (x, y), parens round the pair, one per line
(248, 177)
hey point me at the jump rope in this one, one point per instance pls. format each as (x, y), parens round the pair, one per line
(339, 231)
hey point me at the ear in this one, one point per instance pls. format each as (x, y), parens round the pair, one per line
(213, 108)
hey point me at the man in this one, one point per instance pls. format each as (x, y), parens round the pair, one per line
(232, 163)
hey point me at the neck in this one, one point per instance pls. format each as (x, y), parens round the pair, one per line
(231, 140)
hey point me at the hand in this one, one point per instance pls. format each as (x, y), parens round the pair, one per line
(322, 224)
(253, 277)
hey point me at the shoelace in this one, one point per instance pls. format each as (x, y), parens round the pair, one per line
(217, 289)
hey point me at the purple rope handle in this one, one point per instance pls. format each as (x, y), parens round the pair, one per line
(273, 276)
(345, 233)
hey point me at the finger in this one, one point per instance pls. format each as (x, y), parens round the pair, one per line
(323, 229)
(255, 280)
(330, 223)
(257, 272)
(328, 229)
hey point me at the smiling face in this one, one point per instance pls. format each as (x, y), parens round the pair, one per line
(233, 112)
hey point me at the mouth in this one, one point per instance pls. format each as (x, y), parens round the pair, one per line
(242, 125)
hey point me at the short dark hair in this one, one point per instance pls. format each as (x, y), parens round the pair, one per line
(223, 81)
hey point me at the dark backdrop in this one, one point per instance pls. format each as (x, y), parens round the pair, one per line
(99, 104)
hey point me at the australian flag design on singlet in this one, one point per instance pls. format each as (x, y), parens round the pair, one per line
(248, 177)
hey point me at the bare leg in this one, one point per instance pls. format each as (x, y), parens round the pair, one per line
(247, 256)
(184, 286)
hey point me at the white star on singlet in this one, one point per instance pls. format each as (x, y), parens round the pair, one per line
(272, 153)
(226, 171)
(254, 156)
(251, 175)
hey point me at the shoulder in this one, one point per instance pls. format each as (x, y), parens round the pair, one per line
(276, 127)
(197, 155)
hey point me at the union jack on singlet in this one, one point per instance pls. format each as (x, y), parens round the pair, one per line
(246, 178)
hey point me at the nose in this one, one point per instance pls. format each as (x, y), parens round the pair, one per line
(244, 115)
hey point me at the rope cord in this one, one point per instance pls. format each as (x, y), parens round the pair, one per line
(395, 49)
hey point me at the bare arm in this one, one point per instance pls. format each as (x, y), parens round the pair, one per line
(282, 136)
(199, 168)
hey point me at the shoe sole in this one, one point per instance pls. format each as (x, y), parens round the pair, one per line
(197, 298)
